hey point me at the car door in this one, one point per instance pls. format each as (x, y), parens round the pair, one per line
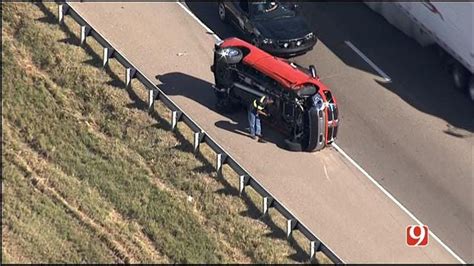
(240, 14)
(246, 22)
(232, 9)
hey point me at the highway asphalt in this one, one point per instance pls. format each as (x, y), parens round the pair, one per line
(399, 139)
(414, 135)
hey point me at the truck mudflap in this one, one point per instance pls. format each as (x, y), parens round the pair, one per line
(315, 128)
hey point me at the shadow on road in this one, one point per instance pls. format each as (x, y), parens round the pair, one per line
(201, 91)
(233, 127)
(418, 76)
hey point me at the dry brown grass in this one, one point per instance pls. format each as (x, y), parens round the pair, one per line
(89, 176)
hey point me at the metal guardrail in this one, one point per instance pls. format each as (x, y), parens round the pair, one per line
(200, 136)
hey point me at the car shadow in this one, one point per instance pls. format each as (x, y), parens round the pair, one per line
(207, 13)
(201, 91)
(418, 76)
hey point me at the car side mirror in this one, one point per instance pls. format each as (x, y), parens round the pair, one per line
(312, 69)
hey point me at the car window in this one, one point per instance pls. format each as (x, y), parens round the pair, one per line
(269, 9)
(300, 68)
(244, 5)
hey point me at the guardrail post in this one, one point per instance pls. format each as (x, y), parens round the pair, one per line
(220, 160)
(129, 75)
(198, 137)
(62, 11)
(85, 31)
(243, 182)
(108, 53)
(290, 226)
(175, 117)
(313, 248)
(267, 203)
(151, 99)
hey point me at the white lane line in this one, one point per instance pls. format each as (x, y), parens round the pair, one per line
(396, 201)
(368, 61)
(351, 160)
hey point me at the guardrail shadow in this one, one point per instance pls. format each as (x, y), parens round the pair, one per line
(417, 74)
(253, 210)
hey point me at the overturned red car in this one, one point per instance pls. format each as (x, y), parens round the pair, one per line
(304, 108)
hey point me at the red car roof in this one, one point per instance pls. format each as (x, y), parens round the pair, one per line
(272, 66)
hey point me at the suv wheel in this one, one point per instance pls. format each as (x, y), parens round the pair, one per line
(222, 12)
(254, 40)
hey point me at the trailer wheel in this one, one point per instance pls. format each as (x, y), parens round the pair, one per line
(470, 88)
(446, 59)
(460, 76)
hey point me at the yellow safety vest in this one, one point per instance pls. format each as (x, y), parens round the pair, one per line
(259, 104)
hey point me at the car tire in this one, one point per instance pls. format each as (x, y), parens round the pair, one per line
(222, 11)
(224, 103)
(233, 58)
(254, 40)
(470, 88)
(226, 106)
(460, 76)
(292, 146)
(442, 54)
(313, 138)
(223, 106)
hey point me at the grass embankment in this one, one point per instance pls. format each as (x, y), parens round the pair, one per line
(88, 176)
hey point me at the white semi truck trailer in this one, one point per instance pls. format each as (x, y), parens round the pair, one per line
(448, 25)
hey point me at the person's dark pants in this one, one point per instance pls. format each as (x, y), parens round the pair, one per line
(254, 122)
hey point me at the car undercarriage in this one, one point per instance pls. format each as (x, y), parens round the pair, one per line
(302, 114)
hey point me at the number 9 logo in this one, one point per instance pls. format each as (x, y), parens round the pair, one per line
(417, 235)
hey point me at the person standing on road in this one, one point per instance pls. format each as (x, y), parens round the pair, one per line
(257, 108)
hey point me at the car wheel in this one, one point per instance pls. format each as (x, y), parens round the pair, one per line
(223, 102)
(293, 146)
(222, 12)
(226, 106)
(460, 76)
(470, 88)
(313, 138)
(232, 55)
(254, 40)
